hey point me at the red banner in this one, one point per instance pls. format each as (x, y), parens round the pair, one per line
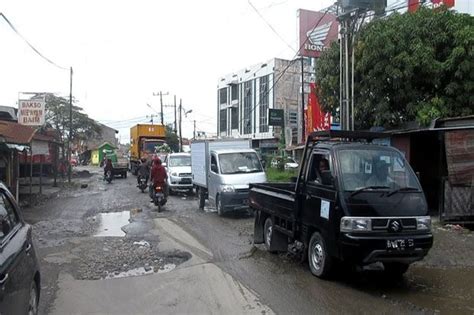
(316, 118)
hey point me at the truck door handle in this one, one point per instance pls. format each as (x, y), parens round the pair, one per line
(28, 248)
(3, 278)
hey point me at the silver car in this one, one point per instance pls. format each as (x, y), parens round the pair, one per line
(178, 166)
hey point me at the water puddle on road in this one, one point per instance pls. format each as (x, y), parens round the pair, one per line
(110, 224)
(140, 271)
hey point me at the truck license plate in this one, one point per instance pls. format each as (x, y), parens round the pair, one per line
(400, 244)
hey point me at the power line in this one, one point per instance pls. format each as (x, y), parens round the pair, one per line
(285, 69)
(269, 25)
(29, 44)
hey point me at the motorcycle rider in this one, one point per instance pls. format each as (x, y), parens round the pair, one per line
(108, 167)
(143, 171)
(158, 177)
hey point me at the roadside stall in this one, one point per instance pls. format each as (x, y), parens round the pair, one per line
(458, 186)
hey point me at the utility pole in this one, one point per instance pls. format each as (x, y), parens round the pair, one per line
(151, 117)
(70, 129)
(302, 102)
(175, 121)
(161, 104)
(194, 132)
(180, 133)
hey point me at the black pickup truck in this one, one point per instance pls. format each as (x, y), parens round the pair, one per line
(353, 201)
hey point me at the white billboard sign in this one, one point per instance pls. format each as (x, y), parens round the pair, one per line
(31, 112)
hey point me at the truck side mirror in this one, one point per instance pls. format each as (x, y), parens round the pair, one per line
(326, 178)
(214, 168)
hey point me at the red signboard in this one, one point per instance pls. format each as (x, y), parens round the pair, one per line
(413, 5)
(316, 32)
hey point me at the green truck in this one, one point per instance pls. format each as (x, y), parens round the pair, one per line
(119, 164)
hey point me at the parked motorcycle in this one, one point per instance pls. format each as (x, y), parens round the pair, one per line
(108, 177)
(142, 185)
(159, 197)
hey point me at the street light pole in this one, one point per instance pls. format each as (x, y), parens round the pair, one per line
(70, 128)
(175, 121)
(180, 133)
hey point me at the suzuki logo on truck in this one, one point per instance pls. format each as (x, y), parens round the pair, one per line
(395, 226)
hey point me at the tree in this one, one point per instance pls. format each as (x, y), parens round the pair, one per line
(172, 139)
(412, 66)
(57, 117)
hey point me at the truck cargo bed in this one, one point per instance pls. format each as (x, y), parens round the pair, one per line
(274, 199)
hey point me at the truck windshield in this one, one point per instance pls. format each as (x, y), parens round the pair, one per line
(179, 161)
(375, 169)
(150, 146)
(238, 163)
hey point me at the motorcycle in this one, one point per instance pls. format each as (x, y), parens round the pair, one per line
(159, 197)
(142, 185)
(108, 177)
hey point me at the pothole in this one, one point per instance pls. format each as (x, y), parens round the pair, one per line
(140, 271)
(110, 224)
(105, 258)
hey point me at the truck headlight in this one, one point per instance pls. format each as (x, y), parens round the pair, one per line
(355, 224)
(227, 188)
(423, 223)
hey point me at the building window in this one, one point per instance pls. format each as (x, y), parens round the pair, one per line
(247, 107)
(264, 91)
(234, 118)
(223, 96)
(234, 92)
(223, 120)
(293, 118)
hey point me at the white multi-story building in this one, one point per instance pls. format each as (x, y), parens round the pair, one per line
(244, 98)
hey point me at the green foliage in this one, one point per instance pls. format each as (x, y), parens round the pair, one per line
(275, 175)
(57, 116)
(412, 66)
(172, 139)
(327, 69)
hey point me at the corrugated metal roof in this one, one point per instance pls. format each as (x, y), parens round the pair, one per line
(15, 133)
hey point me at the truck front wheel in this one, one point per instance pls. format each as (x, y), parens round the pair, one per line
(202, 197)
(220, 210)
(320, 262)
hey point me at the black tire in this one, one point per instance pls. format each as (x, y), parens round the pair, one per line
(395, 270)
(201, 198)
(320, 263)
(124, 175)
(191, 191)
(220, 211)
(159, 207)
(268, 234)
(34, 299)
(142, 189)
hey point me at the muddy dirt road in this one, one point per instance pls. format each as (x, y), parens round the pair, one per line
(104, 249)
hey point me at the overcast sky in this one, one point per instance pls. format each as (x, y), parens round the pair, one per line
(124, 51)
